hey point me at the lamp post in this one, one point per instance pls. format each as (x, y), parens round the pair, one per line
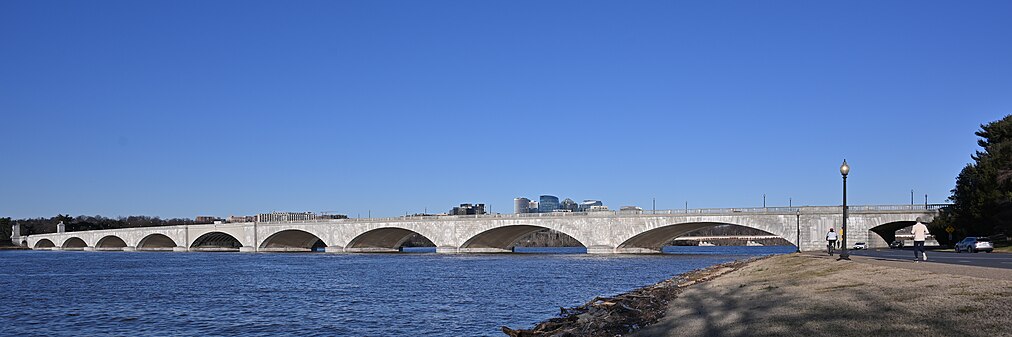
(798, 242)
(844, 169)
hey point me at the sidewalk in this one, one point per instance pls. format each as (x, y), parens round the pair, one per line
(928, 266)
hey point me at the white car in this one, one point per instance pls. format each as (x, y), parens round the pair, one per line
(860, 245)
(972, 244)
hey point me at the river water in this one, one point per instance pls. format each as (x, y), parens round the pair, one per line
(228, 294)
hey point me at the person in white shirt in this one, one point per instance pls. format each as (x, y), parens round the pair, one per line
(831, 238)
(920, 232)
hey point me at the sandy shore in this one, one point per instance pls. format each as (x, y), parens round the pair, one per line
(814, 295)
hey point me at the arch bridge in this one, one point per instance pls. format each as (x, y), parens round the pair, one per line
(599, 232)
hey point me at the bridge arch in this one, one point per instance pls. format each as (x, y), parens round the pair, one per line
(504, 238)
(384, 239)
(156, 242)
(653, 240)
(74, 243)
(887, 232)
(110, 242)
(44, 243)
(216, 242)
(292, 240)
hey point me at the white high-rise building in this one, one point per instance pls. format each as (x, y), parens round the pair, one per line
(521, 205)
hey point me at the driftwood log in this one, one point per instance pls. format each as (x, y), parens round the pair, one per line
(622, 314)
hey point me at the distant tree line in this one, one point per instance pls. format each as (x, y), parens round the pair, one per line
(982, 198)
(31, 226)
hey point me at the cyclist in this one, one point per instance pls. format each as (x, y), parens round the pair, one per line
(831, 238)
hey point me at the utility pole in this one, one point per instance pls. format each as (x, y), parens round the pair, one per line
(911, 197)
(925, 201)
(654, 208)
(764, 200)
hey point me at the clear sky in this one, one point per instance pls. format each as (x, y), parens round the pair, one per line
(184, 108)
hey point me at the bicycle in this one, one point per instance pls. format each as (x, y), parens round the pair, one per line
(830, 247)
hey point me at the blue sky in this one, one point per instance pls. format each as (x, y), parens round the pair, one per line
(184, 108)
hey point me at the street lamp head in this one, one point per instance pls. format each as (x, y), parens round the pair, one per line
(844, 169)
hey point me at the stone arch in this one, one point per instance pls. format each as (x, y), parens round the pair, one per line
(504, 238)
(156, 242)
(385, 239)
(216, 242)
(44, 243)
(887, 232)
(653, 240)
(74, 243)
(292, 240)
(110, 242)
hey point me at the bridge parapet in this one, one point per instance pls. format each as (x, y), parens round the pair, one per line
(929, 208)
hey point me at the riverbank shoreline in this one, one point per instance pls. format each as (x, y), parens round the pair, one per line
(804, 295)
(626, 312)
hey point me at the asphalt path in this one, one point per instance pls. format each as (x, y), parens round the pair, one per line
(993, 260)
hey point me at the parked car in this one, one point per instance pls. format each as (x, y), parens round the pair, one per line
(896, 244)
(860, 245)
(973, 244)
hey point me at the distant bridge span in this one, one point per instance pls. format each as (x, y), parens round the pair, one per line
(600, 232)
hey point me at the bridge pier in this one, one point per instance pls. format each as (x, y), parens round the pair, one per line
(89, 249)
(245, 249)
(371, 250)
(180, 249)
(446, 250)
(129, 249)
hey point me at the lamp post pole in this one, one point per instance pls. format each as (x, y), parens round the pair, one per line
(844, 169)
(798, 213)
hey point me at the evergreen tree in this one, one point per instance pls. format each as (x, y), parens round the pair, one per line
(982, 198)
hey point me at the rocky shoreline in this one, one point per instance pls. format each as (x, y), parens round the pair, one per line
(625, 313)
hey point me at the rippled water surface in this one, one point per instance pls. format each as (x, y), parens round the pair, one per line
(116, 293)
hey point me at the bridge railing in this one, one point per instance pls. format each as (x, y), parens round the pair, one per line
(624, 213)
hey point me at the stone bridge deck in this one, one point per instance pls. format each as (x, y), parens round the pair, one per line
(599, 232)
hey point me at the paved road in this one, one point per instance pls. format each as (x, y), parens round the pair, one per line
(993, 260)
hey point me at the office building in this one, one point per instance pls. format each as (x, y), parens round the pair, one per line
(569, 205)
(468, 209)
(548, 203)
(286, 216)
(241, 218)
(521, 205)
(588, 203)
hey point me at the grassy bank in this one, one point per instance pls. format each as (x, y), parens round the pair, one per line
(807, 295)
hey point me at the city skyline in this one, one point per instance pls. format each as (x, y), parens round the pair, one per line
(356, 108)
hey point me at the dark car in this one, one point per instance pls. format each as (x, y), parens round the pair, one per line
(896, 244)
(973, 244)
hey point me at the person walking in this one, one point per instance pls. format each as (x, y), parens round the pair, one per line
(920, 232)
(831, 238)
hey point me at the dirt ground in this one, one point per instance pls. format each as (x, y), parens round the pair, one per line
(815, 295)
